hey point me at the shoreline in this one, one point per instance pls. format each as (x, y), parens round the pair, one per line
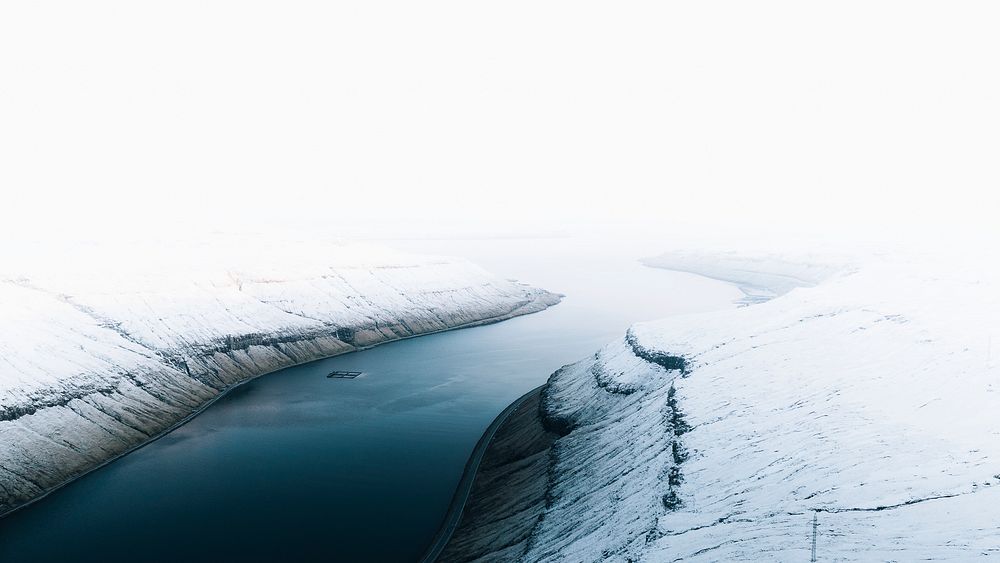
(506, 523)
(456, 509)
(545, 300)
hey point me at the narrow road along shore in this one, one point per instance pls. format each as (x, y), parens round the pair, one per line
(457, 509)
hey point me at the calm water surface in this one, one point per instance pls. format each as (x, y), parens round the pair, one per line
(296, 467)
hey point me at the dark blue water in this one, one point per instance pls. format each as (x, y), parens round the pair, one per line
(294, 466)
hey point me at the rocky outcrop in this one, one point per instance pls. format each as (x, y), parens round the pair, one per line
(91, 368)
(571, 480)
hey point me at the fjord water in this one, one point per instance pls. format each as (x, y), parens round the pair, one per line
(294, 466)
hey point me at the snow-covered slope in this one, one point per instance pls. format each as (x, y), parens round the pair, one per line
(761, 277)
(870, 401)
(102, 350)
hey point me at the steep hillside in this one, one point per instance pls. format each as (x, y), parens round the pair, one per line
(868, 401)
(100, 352)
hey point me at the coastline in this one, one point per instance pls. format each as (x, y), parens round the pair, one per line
(463, 492)
(542, 301)
(514, 493)
(647, 475)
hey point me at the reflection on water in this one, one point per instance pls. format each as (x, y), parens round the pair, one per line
(298, 466)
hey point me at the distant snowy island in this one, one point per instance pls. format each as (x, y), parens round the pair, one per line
(103, 349)
(852, 410)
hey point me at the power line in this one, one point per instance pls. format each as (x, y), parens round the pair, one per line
(815, 524)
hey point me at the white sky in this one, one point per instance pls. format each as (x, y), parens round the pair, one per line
(831, 117)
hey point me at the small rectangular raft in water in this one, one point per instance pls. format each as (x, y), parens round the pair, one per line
(343, 374)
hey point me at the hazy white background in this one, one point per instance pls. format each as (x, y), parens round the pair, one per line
(833, 118)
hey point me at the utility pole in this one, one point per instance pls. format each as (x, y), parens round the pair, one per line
(815, 524)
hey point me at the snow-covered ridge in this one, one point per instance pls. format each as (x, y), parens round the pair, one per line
(101, 351)
(869, 400)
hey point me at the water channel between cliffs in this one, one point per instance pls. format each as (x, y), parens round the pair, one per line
(295, 465)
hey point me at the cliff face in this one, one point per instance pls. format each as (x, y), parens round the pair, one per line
(509, 492)
(868, 402)
(98, 357)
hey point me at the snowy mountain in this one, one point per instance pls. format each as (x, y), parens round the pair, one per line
(866, 398)
(103, 349)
